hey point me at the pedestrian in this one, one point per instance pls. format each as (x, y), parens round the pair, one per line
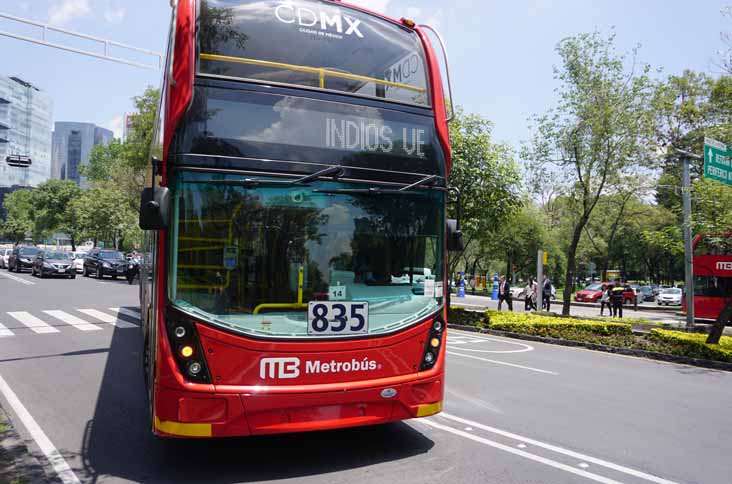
(546, 290)
(605, 301)
(617, 300)
(504, 293)
(529, 295)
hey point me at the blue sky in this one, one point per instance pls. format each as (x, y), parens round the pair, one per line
(501, 53)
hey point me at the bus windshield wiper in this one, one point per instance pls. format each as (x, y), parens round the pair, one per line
(365, 191)
(428, 179)
(246, 182)
(336, 171)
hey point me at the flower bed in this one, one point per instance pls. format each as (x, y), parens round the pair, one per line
(693, 345)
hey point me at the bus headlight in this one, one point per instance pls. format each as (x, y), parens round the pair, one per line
(433, 344)
(187, 350)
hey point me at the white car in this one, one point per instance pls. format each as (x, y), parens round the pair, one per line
(670, 297)
(78, 261)
(4, 256)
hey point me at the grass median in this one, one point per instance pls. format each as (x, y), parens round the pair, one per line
(611, 333)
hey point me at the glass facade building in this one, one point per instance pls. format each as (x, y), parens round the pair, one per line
(25, 129)
(72, 145)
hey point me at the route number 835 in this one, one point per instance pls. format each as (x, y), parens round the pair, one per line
(337, 317)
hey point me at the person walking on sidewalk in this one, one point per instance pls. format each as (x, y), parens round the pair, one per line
(504, 293)
(605, 300)
(617, 300)
(530, 295)
(546, 289)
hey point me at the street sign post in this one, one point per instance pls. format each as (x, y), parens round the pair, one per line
(717, 161)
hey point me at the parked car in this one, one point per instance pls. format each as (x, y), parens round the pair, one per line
(78, 261)
(4, 256)
(593, 292)
(670, 297)
(647, 292)
(53, 263)
(22, 258)
(104, 262)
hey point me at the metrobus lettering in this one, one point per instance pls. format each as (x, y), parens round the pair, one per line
(370, 136)
(305, 17)
(724, 265)
(283, 368)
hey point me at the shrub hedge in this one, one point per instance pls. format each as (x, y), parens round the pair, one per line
(554, 327)
(693, 345)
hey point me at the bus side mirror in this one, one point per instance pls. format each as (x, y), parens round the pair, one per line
(454, 236)
(155, 208)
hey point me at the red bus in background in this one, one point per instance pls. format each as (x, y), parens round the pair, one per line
(712, 274)
(295, 217)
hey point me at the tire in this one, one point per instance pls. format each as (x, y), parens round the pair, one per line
(99, 273)
(10, 268)
(114, 277)
(84, 271)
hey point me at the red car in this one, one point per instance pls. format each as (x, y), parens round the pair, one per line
(593, 292)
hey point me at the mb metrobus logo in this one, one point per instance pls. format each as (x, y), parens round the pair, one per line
(279, 368)
(724, 265)
(326, 22)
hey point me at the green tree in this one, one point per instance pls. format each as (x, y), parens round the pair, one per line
(51, 202)
(103, 214)
(20, 215)
(486, 174)
(597, 136)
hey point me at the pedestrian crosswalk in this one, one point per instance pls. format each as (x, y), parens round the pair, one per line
(47, 321)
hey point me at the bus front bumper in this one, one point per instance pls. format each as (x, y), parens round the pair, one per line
(192, 414)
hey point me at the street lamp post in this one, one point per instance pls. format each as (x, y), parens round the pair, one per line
(686, 158)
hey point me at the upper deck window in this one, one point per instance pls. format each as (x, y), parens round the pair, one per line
(312, 43)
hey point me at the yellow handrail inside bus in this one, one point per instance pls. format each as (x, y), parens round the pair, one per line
(296, 305)
(320, 71)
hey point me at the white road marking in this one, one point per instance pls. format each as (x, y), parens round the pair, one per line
(106, 318)
(32, 322)
(521, 446)
(521, 453)
(72, 320)
(127, 312)
(503, 363)
(583, 465)
(17, 279)
(560, 450)
(4, 331)
(64, 472)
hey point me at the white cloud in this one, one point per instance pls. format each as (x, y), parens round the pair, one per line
(116, 125)
(115, 15)
(65, 11)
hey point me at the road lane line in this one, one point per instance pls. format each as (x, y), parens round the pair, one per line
(521, 453)
(503, 363)
(17, 279)
(107, 318)
(72, 320)
(4, 331)
(58, 462)
(32, 322)
(127, 312)
(560, 450)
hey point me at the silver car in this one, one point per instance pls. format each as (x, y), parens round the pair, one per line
(670, 297)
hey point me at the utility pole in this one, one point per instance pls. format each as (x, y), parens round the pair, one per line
(686, 158)
(539, 282)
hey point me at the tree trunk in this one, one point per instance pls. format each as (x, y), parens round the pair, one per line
(73, 244)
(571, 265)
(718, 327)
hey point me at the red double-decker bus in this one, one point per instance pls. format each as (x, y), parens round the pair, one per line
(296, 230)
(712, 274)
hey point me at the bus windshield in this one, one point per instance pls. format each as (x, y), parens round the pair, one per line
(239, 248)
(317, 44)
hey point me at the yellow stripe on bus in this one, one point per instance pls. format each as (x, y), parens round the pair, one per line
(319, 71)
(183, 429)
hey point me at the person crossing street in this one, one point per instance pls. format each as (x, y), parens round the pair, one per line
(504, 294)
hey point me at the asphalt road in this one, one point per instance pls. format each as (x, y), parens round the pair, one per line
(514, 412)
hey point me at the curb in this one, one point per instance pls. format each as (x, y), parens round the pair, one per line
(24, 465)
(652, 355)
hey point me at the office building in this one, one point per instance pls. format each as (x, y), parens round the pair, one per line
(72, 145)
(25, 130)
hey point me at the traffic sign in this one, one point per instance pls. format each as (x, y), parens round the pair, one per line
(717, 161)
